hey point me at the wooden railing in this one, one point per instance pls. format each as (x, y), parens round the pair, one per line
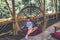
(36, 18)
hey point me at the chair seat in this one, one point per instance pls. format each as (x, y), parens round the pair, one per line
(37, 31)
(56, 35)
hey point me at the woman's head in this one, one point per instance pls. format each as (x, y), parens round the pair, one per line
(28, 19)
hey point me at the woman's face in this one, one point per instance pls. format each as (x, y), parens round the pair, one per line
(28, 19)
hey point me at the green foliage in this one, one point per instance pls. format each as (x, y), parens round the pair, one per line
(49, 5)
(20, 4)
(3, 10)
(58, 6)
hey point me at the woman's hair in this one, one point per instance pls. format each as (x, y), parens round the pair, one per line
(28, 18)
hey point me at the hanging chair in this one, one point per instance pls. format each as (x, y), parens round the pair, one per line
(34, 13)
(37, 31)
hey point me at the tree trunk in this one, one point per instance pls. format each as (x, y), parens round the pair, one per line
(43, 9)
(42, 3)
(15, 23)
(55, 7)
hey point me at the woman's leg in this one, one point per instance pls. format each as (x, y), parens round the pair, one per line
(28, 32)
(34, 29)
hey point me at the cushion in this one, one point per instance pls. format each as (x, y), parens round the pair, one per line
(56, 35)
(36, 32)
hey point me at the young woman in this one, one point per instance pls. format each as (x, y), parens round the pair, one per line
(28, 26)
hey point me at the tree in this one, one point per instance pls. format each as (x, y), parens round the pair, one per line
(42, 3)
(14, 16)
(55, 7)
(3, 10)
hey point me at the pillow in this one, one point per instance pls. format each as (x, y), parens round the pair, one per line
(37, 31)
(56, 35)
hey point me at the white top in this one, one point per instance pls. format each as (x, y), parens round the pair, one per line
(29, 24)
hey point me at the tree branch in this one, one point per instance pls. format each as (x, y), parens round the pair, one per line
(8, 7)
(42, 5)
